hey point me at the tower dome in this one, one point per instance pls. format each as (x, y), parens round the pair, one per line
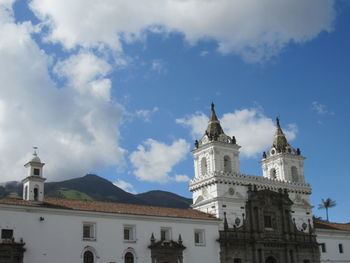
(35, 158)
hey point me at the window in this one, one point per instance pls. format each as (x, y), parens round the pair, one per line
(199, 238)
(88, 257)
(237, 260)
(295, 177)
(89, 232)
(267, 221)
(227, 164)
(26, 192)
(341, 250)
(36, 194)
(6, 233)
(273, 173)
(204, 167)
(129, 233)
(129, 258)
(165, 233)
(323, 248)
(36, 171)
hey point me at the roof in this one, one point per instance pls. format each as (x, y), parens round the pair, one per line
(331, 226)
(280, 140)
(214, 128)
(109, 207)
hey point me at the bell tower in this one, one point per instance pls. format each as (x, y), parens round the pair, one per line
(216, 156)
(282, 162)
(285, 164)
(33, 184)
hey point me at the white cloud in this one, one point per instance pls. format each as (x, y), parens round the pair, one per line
(155, 160)
(75, 131)
(197, 122)
(321, 108)
(253, 131)
(158, 66)
(86, 73)
(181, 178)
(128, 187)
(254, 29)
(146, 114)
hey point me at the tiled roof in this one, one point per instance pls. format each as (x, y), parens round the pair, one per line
(109, 207)
(331, 226)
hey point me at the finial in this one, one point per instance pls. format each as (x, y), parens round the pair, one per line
(35, 150)
(277, 121)
(212, 106)
(152, 239)
(225, 222)
(180, 240)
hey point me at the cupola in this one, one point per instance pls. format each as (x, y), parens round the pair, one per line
(33, 184)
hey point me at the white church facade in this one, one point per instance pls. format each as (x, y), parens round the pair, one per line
(235, 218)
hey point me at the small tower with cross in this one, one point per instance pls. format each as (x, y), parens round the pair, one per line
(33, 184)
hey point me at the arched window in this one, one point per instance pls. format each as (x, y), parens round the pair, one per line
(88, 257)
(227, 164)
(295, 176)
(273, 173)
(26, 192)
(204, 166)
(36, 193)
(129, 258)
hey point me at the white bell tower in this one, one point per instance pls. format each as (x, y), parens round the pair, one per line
(282, 162)
(33, 184)
(216, 156)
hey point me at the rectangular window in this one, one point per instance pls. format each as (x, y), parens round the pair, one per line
(36, 171)
(237, 260)
(199, 237)
(323, 247)
(268, 221)
(6, 233)
(341, 248)
(89, 231)
(129, 233)
(165, 233)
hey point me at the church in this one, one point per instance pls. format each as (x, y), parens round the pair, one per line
(235, 218)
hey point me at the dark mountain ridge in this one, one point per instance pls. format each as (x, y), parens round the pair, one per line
(94, 187)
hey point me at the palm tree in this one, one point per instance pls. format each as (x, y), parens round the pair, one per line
(328, 203)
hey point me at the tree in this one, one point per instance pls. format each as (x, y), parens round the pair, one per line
(327, 203)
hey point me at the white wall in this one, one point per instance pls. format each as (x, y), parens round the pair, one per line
(332, 239)
(59, 237)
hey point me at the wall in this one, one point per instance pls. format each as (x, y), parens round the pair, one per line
(332, 238)
(59, 237)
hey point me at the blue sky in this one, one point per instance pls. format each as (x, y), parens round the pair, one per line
(123, 89)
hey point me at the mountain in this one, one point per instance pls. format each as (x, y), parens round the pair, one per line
(93, 187)
(165, 199)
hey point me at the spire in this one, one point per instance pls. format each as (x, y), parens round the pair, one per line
(213, 116)
(214, 128)
(280, 141)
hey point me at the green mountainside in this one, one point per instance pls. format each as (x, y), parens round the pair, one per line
(93, 187)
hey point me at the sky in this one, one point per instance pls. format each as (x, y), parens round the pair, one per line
(123, 88)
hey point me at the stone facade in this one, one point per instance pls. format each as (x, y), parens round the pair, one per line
(268, 233)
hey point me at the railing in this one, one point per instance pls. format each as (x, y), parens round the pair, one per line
(245, 179)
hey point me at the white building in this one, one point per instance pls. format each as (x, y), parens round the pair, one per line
(38, 229)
